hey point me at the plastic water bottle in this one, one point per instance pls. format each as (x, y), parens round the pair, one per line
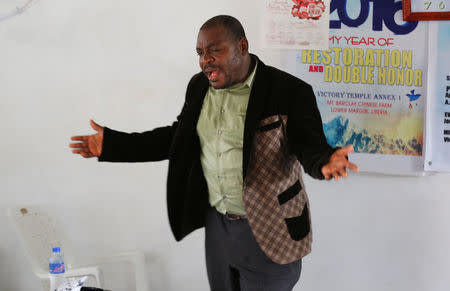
(56, 269)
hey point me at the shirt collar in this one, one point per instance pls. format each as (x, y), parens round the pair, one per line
(249, 81)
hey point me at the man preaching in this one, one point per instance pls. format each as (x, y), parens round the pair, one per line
(235, 157)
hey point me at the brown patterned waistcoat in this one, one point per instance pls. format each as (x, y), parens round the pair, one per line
(274, 195)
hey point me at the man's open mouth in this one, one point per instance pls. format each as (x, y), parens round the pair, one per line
(212, 74)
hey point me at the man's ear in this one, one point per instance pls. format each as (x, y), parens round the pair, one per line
(243, 46)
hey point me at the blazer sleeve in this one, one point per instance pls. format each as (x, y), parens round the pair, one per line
(305, 132)
(134, 147)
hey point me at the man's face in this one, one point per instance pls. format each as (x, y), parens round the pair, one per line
(220, 57)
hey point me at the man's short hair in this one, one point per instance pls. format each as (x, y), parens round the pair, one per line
(232, 24)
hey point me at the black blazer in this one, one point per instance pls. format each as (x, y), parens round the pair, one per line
(273, 92)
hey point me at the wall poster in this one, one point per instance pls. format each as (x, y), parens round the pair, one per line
(437, 156)
(371, 84)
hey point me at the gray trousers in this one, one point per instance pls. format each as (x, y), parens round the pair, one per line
(234, 260)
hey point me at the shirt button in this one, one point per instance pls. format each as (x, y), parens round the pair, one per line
(225, 196)
(219, 131)
(219, 154)
(222, 111)
(219, 177)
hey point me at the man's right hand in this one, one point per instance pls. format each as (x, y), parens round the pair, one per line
(89, 146)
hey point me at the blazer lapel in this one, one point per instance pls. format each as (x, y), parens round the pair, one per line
(255, 108)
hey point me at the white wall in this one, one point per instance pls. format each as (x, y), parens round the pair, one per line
(126, 64)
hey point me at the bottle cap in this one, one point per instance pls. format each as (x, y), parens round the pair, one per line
(56, 250)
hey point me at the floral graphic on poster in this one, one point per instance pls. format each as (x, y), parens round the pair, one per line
(309, 9)
(295, 24)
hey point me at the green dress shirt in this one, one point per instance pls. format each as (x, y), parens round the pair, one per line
(221, 131)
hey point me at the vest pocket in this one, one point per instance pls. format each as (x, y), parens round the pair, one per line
(289, 193)
(298, 227)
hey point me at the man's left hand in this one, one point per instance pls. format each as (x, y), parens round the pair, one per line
(338, 164)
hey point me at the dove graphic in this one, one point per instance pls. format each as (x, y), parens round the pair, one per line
(413, 96)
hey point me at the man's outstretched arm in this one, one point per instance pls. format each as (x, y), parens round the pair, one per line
(308, 142)
(89, 146)
(338, 164)
(115, 146)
